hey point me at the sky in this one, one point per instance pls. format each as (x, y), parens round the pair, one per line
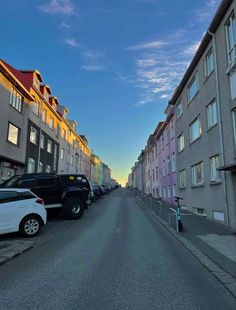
(113, 63)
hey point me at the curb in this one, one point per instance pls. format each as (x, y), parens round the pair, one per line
(224, 277)
(13, 249)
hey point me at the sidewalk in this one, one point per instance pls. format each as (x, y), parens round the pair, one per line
(13, 248)
(211, 239)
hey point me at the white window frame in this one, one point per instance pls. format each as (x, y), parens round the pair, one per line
(13, 127)
(194, 79)
(31, 165)
(209, 64)
(215, 175)
(40, 169)
(33, 135)
(16, 99)
(62, 154)
(182, 178)
(44, 115)
(35, 108)
(179, 108)
(42, 141)
(49, 146)
(180, 142)
(211, 116)
(194, 167)
(191, 130)
(51, 122)
(232, 32)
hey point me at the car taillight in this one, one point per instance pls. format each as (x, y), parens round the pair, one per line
(40, 200)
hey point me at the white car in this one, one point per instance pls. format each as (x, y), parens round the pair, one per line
(21, 210)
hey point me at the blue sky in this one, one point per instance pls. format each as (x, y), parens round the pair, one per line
(113, 63)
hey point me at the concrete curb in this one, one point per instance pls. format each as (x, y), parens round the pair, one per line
(13, 248)
(223, 276)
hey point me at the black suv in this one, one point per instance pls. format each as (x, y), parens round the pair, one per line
(71, 192)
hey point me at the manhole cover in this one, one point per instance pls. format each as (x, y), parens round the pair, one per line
(3, 246)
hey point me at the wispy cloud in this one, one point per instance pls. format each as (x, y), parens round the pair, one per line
(55, 7)
(191, 50)
(207, 11)
(71, 42)
(93, 55)
(93, 67)
(158, 70)
(65, 25)
(147, 45)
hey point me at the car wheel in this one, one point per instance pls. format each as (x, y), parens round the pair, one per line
(30, 226)
(73, 208)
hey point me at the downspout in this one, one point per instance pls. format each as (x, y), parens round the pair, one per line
(220, 128)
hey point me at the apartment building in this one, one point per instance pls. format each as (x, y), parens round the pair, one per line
(205, 109)
(167, 156)
(38, 135)
(14, 100)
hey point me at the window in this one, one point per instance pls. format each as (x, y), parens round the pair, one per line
(174, 190)
(68, 149)
(179, 108)
(16, 99)
(173, 162)
(72, 160)
(156, 173)
(33, 135)
(31, 165)
(168, 166)
(49, 147)
(182, 178)
(51, 122)
(195, 129)
(214, 164)
(180, 142)
(42, 139)
(197, 174)
(36, 83)
(164, 191)
(168, 192)
(231, 38)
(209, 63)
(48, 168)
(62, 153)
(57, 129)
(153, 175)
(40, 169)
(13, 134)
(64, 134)
(211, 114)
(44, 113)
(55, 158)
(164, 168)
(171, 130)
(233, 85)
(193, 88)
(35, 108)
(8, 196)
(234, 125)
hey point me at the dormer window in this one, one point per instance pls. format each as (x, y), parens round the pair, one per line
(46, 95)
(36, 83)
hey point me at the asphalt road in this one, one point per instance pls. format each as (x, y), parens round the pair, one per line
(116, 257)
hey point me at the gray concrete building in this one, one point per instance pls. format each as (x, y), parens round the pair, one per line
(205, 110)
(14, 103)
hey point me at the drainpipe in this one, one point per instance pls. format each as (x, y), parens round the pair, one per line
(220, 128)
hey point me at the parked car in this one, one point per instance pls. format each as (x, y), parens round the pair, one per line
(70, 192)
(21, 210)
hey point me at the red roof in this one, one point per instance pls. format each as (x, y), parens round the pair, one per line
(23, 78)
